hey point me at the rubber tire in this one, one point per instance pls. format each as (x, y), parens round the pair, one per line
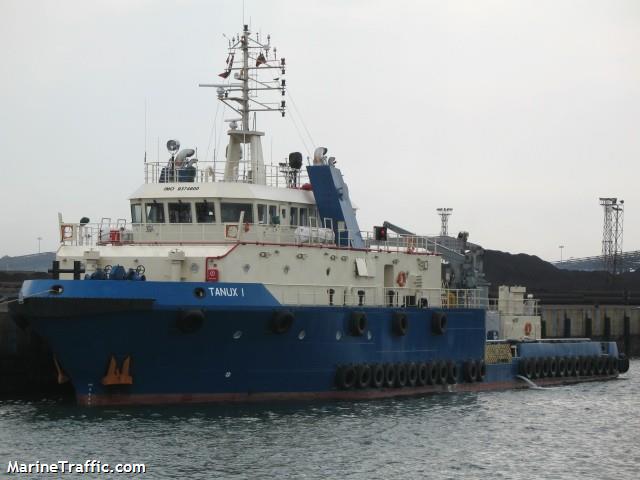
(438, 323)
(537, 367)
(377, 375)
(401, 375)
(443, 373)
(529, 367)
(601, 366)
(357, 324)
(623, 363)
(433, 373)
(363, 376)
(389, 375)
(470, 371)
(482, 371)
(562, 367)
(545, 367)
(345, 377)
(412, 374)
(423, 374)
(399, 324)
(584, 366)
(452, 373)
(190, 321)
(281, 321)
(571, 367)
(553, 366)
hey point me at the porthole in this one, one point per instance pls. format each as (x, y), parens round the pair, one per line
(301, 335)
(199, 292)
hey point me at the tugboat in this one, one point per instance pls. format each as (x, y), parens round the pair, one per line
(242, 281)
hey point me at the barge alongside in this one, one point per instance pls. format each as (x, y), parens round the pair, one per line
(255, 282)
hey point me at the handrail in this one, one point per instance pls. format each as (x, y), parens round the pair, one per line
(120, 233)
(207, 171)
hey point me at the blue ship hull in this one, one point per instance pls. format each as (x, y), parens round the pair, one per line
(232, 353)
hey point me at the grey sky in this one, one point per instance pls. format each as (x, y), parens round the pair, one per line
(518, 114)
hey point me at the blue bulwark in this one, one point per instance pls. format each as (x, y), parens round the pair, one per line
(332, 200)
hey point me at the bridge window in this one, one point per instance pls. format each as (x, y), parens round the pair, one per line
(273, 215)
(154, 212)
(205, 212)
(304, 217)
(230, 212)
(293, 212)
(179, 213)
(136, 213)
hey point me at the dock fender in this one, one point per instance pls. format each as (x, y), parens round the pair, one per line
(443, 372)
(412, 374)
(423, 374)
(389, 375)
(281, 321)
(623, 363)
(399, 323)
(482, 371)
(401, 375)
(345, 377)
(562, 367)
(438, 323)
(190, 321)
(470, 371)
(553, 366)
(357, 324)
(452, 372)
(377, 375)
(363, 376)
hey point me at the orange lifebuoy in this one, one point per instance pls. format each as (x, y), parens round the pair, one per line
(401, 280)
(66, 232)
(527, 328)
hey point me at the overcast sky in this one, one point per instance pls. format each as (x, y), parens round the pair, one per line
(517, 114)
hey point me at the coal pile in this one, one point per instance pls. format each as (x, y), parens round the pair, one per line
(554, 286)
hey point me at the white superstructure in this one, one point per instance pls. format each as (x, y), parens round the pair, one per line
(243, 221)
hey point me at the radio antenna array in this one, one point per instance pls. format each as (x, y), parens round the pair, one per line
(246, 56)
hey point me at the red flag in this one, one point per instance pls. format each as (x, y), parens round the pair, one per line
(260, 60)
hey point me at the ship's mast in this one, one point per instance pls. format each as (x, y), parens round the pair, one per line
(242, 98)
(245, 78)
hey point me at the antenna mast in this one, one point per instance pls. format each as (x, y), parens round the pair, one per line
(242, 98)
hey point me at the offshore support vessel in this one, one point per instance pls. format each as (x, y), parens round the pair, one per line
(241, 281)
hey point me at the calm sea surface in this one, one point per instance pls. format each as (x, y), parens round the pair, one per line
(585, 431)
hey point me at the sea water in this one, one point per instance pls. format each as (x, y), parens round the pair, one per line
(585, 431)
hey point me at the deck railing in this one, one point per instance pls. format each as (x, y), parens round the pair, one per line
(123, 233)
(279, 175)
(373, 296)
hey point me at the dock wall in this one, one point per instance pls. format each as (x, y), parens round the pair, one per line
(620, 323)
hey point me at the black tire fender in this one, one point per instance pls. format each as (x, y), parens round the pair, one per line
(190, 321)
(399, 323)
(358, 324)
(345, 377)
(377, 375)
(281, 321)
(438, 323)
